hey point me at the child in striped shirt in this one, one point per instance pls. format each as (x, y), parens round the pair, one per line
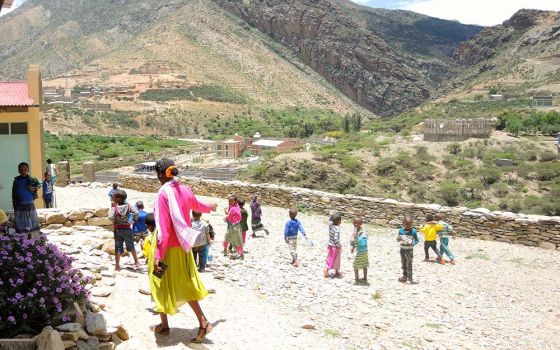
(334, 247)
(407, 238)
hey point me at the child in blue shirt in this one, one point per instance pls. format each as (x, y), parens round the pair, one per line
(139, 229)
(408, 238)
(360, 244)
(293, 226)
(48, 191)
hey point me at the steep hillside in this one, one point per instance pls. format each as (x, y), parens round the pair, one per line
(388, 61)
(519, 57)
(139, 42)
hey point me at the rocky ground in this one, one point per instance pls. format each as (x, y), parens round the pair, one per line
(498, 296)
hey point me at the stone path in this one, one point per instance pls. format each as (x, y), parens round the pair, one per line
(498, 296)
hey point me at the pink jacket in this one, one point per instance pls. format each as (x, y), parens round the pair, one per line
(187, 202)
(234, 214)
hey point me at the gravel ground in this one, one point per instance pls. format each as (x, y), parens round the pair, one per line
(498, 296)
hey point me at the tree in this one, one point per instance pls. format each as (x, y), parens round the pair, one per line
(357, 122)
(489, 175)
(473, 187)
(449, 192)
(346, 123)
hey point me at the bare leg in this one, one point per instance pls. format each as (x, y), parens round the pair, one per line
(135, 256)
(117, 262)
(365, 274)
(164, 322)
(357, 274)
(204, 326)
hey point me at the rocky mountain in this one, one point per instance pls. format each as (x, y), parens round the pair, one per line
(387, 61)
(519, 56)
(174, 42)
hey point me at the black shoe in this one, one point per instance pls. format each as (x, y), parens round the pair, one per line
(265, 230)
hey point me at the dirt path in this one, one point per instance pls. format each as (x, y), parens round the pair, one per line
(498, 296)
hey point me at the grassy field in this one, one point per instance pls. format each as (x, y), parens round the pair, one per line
(108, 152)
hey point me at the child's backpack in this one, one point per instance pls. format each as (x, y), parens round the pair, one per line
(362, 242)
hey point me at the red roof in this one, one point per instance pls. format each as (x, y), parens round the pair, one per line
(14, 93)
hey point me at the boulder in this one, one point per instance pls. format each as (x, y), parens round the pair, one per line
(68, 224)
(96, 324)
(101, 213)
(101, 291)
(80, 223)
(100, 221)
(55, 218)
(68, 344)
(49, 339)
(547, 245)
(122, 333)
(108, 247)
(106, 346)
(69, 327)
(54, 227)
(76, 215)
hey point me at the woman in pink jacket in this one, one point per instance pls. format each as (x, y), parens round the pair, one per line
(174, 279)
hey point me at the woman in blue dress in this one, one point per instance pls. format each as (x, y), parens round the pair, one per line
(24, 193)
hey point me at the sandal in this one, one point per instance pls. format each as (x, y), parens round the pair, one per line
(202, 332)
(158, 329)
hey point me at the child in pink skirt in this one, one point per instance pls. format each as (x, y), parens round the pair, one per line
(334, 248)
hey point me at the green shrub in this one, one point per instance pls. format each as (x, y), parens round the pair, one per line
(385, 166)
(547, 156)
(449, 193)
(350, 163)
(489, 175)
(547, 171)
(474, 188)
(501, 189)
(454, 148)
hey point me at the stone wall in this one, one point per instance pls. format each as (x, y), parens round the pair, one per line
(58, 218)
(530, 230)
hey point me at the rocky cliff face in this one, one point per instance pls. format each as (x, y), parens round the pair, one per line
(515, 32)
(359, 50)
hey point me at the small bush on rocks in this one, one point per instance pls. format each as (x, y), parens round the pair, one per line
(37, 282)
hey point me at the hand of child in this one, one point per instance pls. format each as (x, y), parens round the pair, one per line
(352, 250)
(399, 238)
(213, 206)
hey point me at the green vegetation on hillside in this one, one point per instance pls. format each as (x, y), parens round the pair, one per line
(534, 123)
(212, 93)
(295, 122)
(107, 151)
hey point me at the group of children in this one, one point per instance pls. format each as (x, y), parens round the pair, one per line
(407, 238)
(132, 223)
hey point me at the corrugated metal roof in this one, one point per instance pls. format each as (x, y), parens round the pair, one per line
(268, 143)
(14, 93)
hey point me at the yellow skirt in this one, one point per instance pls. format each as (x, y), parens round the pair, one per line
(179, 284)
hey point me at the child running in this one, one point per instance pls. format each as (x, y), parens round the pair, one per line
(444, 238)
(120, 214)
(408, 238)
(334, 247)
(293, 226)
(233, 235)
(256, 217)
(244, 217)
(430, 230)
(48, 191)
(199, 246)
(360, 243)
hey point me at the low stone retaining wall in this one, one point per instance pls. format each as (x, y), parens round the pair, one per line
(529, 230)
(58, 218)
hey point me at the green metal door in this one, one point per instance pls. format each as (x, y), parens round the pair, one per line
(14, 150)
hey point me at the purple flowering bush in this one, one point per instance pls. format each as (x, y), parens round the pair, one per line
(37, 282)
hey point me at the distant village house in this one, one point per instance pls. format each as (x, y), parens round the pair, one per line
(234, 147)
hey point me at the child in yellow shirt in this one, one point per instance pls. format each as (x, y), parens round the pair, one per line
(430, 230)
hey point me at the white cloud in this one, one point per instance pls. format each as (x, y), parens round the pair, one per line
(483, 12)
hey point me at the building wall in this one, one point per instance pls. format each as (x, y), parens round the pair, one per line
(529, 230)
(35, 133)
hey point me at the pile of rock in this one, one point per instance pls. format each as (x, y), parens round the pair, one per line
(56, 218)
(95, 331)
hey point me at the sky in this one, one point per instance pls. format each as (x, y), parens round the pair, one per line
(482, 12)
